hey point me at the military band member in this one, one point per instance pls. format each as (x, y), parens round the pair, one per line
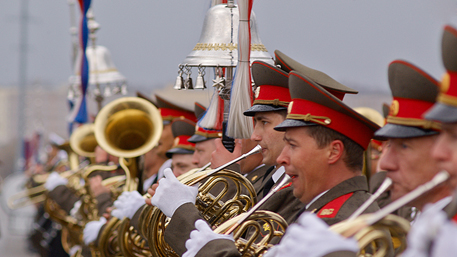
(182, 151)
(435, 230)
(409, 137)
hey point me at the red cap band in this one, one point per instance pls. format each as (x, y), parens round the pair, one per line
(354, 129)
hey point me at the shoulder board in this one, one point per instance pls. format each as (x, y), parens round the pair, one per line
(331, 209)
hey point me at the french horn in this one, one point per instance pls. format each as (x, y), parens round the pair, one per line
(210, 202)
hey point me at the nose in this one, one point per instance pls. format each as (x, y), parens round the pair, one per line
(195, 159)
(284, 157)
(440, 150)
(388, 160)
(255, 136)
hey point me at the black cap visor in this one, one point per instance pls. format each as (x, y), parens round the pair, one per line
(399, 131)
(198, 138)
(289, 123)
(263, 108)
(442, 113)
(179, 151)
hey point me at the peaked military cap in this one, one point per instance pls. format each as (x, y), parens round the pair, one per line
(445, 108)
(182, 130)
(413, 92)
(312, 105)
(170, 111)
(334, 87)
(202, 134)
(272, 92)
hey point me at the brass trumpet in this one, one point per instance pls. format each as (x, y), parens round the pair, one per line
(37, 194)
(82, 142)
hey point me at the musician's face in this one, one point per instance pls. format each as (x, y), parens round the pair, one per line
(445, 151)
(165, 141)
(409, 164)
(269, 139)
(305, 163)
(181, 163)
(203, 151)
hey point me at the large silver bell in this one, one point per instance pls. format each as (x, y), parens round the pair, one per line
(218, 43)
(101, 68)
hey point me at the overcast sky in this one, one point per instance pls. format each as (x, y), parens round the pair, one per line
(351, 40)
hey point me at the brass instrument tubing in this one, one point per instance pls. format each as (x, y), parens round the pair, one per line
(254, 150)
(384, 186)
(436, 180)
(284, 181)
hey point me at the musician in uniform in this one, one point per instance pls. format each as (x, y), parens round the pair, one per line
(435, 230)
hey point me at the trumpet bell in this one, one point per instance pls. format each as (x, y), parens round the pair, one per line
(128, 127)
(83, 142)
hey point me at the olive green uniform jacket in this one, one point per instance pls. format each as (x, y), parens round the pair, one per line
(336, 205)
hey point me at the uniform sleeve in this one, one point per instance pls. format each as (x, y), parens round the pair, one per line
(180, 226)
(219, 248)
(64, 197)
(103, 201)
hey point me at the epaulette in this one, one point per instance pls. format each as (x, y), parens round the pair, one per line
(333, 207)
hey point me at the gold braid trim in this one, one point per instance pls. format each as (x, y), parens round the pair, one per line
(447, 99)
(209, 135)
(426, 124)
(308, 117)
(186, 147)
(275, 102)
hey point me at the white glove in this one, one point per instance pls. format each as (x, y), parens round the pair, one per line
(54, 180)
(92, 229)
(127, 204)
(170, 194)
(444, 244)
(200, 237)
(74, 249)
(424, 230)
(311, 236)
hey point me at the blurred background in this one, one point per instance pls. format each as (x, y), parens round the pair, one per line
(353, 41)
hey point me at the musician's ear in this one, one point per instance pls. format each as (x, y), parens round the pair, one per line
(336, 151)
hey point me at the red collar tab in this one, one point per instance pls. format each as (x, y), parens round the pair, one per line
(170, 114)
(331, 209)
(300, 109)
(274, 95)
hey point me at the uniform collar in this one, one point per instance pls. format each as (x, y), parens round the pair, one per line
(357, 183)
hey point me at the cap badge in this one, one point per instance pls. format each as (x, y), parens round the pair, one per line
(257, 92)
(176, 142)
(394, 108)
(289, 108)
(445, 82)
